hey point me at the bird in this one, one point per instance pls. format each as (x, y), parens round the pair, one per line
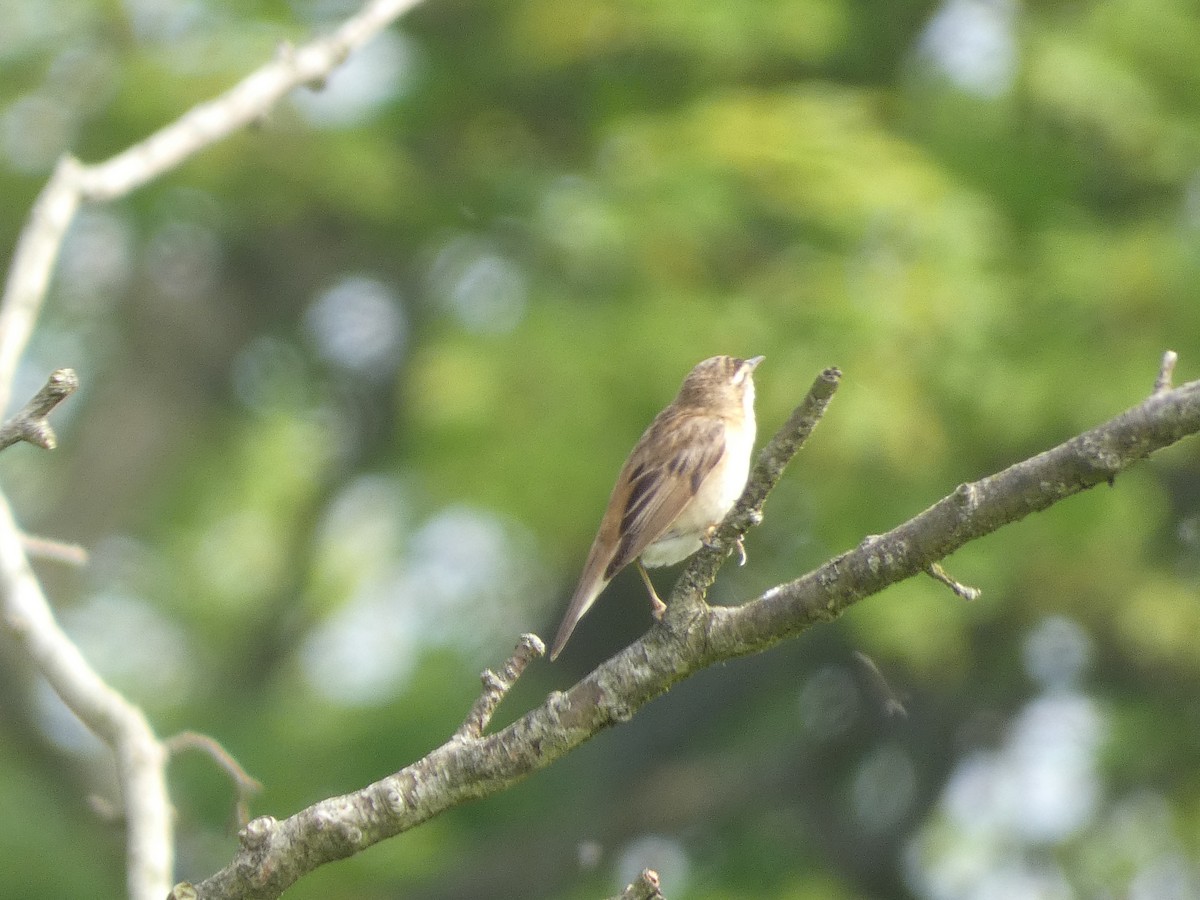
(681, 479)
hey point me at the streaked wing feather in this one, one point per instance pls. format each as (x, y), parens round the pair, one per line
(660, 489)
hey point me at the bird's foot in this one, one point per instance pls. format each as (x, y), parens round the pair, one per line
(707, 540)
(658, 609)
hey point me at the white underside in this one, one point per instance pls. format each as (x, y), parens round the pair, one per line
(667, 551)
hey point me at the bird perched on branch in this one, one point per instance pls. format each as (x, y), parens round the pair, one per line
(682, 478)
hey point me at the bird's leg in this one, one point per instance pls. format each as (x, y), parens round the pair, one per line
(657, 607)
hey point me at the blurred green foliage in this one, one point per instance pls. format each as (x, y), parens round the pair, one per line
(357, 381)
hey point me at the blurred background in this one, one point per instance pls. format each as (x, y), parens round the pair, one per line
(356, 384)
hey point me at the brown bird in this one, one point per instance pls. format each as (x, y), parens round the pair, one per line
(682, 478)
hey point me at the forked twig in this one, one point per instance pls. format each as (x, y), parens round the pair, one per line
(30, 424)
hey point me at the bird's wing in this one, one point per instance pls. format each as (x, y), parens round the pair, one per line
(651, 491)
(659, 488)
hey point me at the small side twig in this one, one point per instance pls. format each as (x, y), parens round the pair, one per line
(645, 887)
(529, 648)
(1166, 371)
(935, 571)
(57, 551)
(244, 784)
(30, 423)
(888, 700)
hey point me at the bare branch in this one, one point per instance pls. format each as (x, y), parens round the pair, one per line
(245, 786)
(30, 423)
(1166, 371)
(888, 701)
(529, 648)
(274, 854)
(687, 598)
(245, 103)
(140, 758)
(198, 128)
(32, 265)
(972, 511)
(58, 551)
(644, 887)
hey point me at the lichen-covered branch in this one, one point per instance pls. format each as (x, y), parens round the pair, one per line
(273, 854)
(529, 648)
(970, 512)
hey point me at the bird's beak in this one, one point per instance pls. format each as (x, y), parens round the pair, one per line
(754, 361)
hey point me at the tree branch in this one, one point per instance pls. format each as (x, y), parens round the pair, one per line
(244, 784)
(529, 648)
(141, 759)
(687, 598)
(1166, 371)
(645, 887)
(140, 756)
(972, 511)
(273, 854)
(30, 424)
(200, 127)
(37, 547)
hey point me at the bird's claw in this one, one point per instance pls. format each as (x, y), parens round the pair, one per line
(707, 540)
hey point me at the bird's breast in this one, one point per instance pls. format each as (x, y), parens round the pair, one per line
(716, 496)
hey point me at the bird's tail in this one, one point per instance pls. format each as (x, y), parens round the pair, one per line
(591, 583)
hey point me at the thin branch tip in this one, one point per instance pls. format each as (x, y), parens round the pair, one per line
(646, 886)
(61, 384)
(245, 786)
(63, 552)
(1166, 371)
(888, 701)
(532, 644)
(30, 424)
